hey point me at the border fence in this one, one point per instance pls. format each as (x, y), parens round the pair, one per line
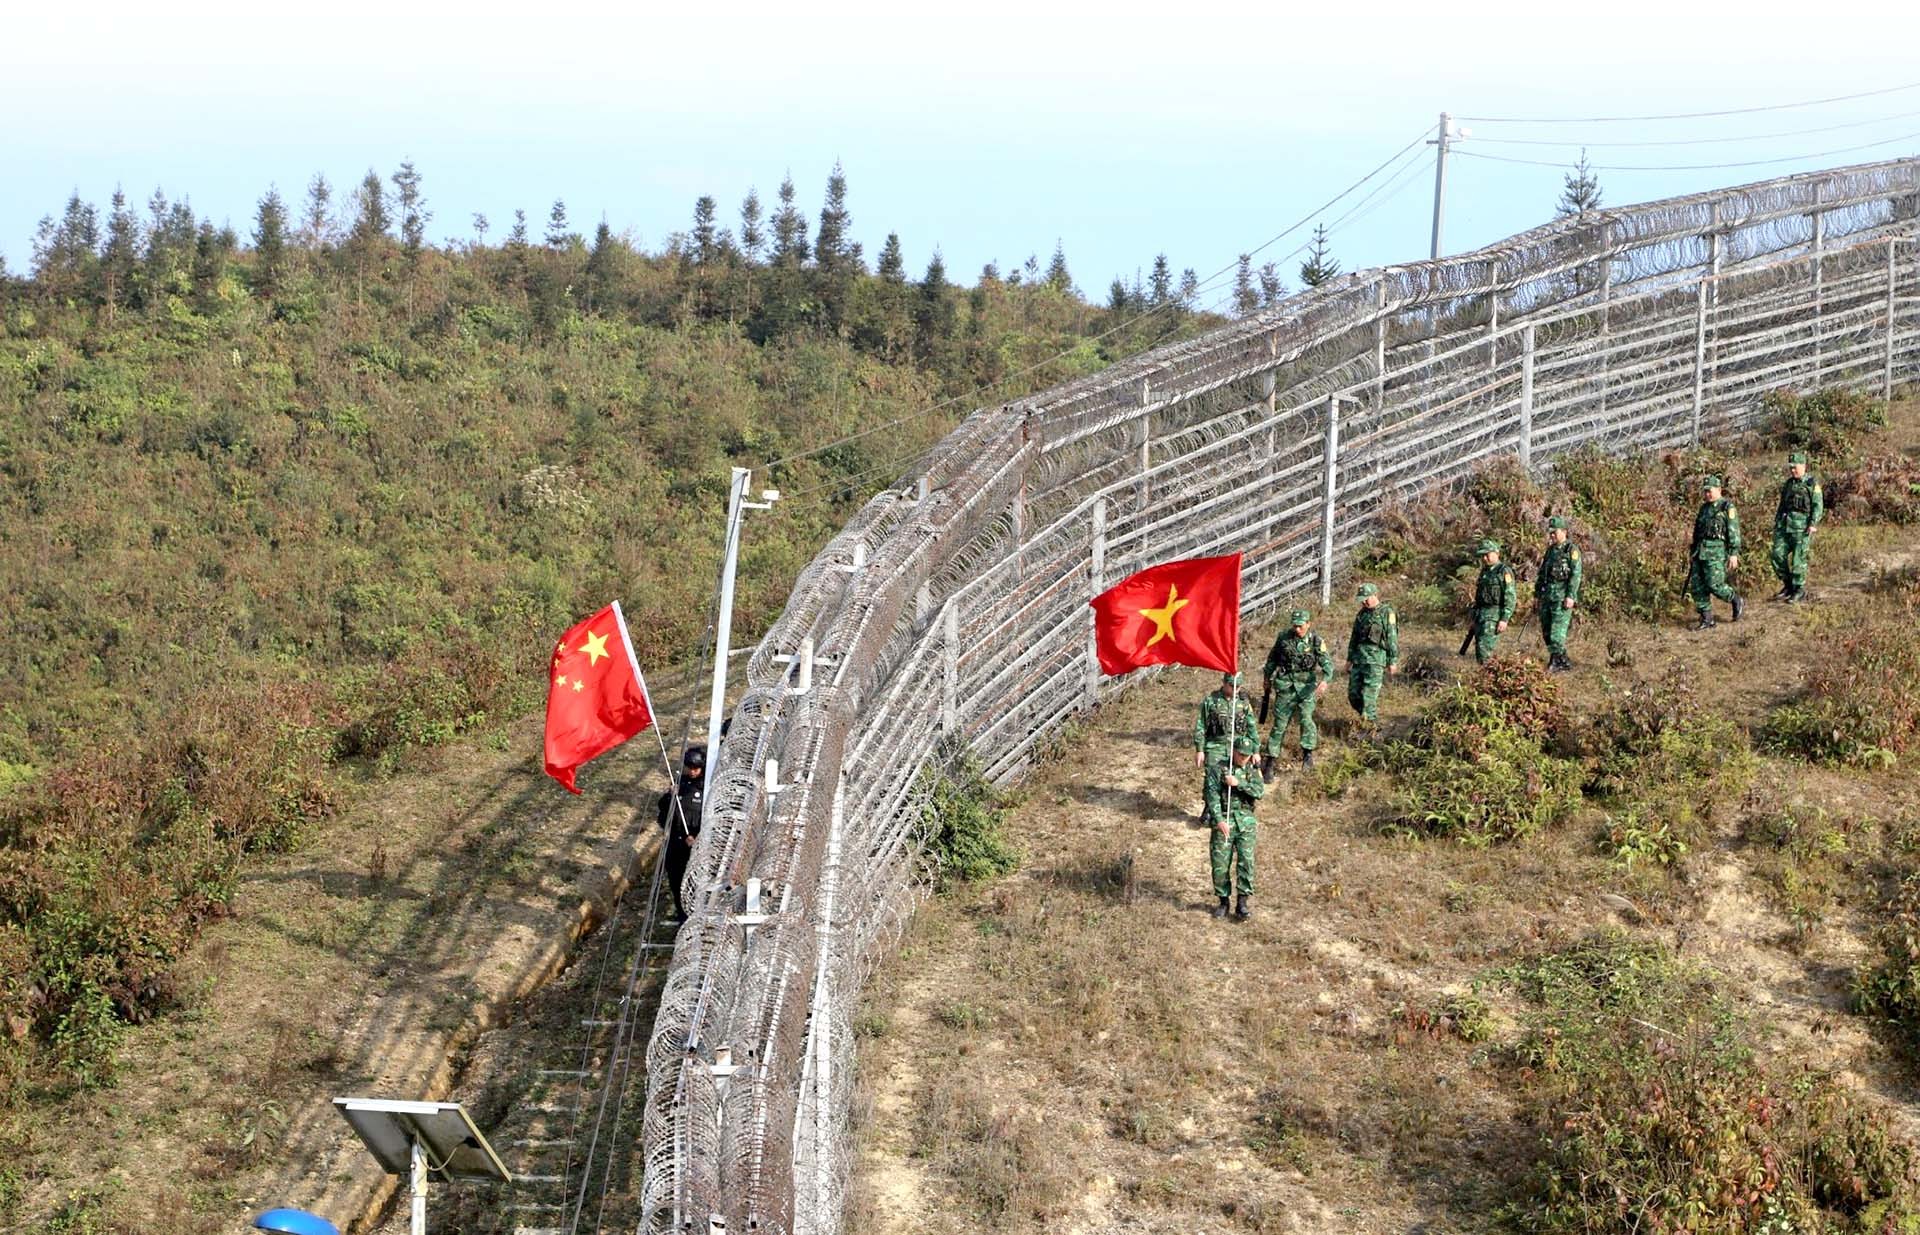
(949, 616)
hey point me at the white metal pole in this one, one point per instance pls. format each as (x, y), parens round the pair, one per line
(1327, 505)
(1819, 272)
(1440, 183)
(1699, 359)
(950, 669)
(1526, 397)
(1893, 281)
(419, 1219)
(1144, 441)
(1097, 578)
(723, 628)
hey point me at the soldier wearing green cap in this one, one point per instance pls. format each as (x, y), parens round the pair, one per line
(1494, 596)
(1223, 714)
(1297, 672)
(1714, 552)
(1801, 509)
(1556, 590)
(1373, 652)
(1232, 790)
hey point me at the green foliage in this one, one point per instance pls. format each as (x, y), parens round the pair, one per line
(1803, 854)
(1861, 705)
(1879, 488)
(1889, 988)
(963, 828)
(1665, 767)
(1651, 1112)
(1475, 769)
(1831, 425)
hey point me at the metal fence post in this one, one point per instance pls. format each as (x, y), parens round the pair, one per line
(1606, 320)
(1097, 578)
(1819, 280)
(1893, 282)
(1332, 451)
(1526, 397)
(1699, 359)
(1716, 248)
(950, 669)
(1380, 348)
(1143, 441)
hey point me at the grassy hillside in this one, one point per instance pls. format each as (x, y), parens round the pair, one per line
(278, 516)
(1626, 950)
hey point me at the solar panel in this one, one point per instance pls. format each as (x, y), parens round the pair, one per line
(454, 1147)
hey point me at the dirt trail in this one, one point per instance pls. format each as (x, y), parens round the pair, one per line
(1196, 1075)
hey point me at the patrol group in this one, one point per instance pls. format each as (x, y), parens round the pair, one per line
(1226, 732)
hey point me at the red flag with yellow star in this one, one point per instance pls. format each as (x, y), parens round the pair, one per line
(1176, 613)
(596, 697)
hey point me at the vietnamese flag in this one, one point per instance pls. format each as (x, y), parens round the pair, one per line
(1176, 613)
(596, 698)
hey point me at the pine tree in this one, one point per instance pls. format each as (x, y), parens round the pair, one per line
(832, 251)
(893, 263)
(1162, 281)
(789, 229)
(933, 315)
(557, 235)
(1117, 299)
(605, 267)
(1246, 297)
(269, 242)
(1319, 267)
(706, 245)
(1273, 289)
(170, 233)
(517, 238)
(1580, 191)
(121, 256)
(371, 221)
(211, 249)
(752, 238)
(1189, 286)
(316, 226)
(1057, 277)
(990, 273)
(64, 261)
(480, 226)
(413, 211)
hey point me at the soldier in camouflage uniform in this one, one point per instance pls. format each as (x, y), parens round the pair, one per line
(1556, 590)
(1373, 653)
(1297, 672)
(1494, 597)
(1223, 714)
(1801, 508)
(1232, 790)
(1714, 552)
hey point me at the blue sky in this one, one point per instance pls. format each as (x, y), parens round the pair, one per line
(989, 130)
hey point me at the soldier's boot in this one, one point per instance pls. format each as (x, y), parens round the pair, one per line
(1220, 910)
(1738, 607)
(1785, 593)
(1243, 910)
(1266, 767)
(1706, 621)
(1306, 761)
(1797, 596)
(1566, 666)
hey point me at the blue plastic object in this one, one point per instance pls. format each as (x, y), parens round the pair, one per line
(295, 1222)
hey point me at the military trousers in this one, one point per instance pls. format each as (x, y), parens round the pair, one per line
(1216, 752)
(1707, 578)
(1364, 678)
(1293, 697)
(1231, 853)
(1555, 620)
(1789, 555)
(1486, 633)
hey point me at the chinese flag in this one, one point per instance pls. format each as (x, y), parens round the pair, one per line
(1176, 613)
(596, 698)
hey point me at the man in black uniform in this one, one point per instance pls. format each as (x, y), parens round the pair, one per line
(680, 816)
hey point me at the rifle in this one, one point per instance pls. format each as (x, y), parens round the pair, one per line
(1266, 701)
(1473, 633)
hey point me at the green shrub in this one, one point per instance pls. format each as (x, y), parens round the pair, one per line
(963, 828)
(1665, 768)
(1881, 488)
(1889, 989)
(1862, 702)
(1650, 1111)
(1830, 425)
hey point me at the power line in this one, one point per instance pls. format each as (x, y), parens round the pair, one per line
(1689, 167)
(1691, 115)
(1111, 330)
(1697, 141)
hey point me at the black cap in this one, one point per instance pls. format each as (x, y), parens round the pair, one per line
(696, 757)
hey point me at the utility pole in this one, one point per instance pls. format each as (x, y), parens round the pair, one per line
(1442, 139)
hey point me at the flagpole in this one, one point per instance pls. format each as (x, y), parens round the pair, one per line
(723, 628)
(633, 662)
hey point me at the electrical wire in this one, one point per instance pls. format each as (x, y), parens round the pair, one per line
(1171, 302)
(1691, 115)
(1687, 167)
(1697, 141)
